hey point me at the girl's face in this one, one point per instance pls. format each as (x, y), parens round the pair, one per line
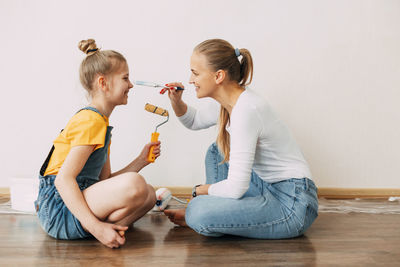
(120, 85)
(202, 77)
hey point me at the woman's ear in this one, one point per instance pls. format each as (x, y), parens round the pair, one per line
(219, 76)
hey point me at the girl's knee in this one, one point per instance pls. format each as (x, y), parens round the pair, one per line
(151, 197)
(135, 186)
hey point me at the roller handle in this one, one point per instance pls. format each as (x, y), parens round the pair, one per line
(166, 88)
(154, 138)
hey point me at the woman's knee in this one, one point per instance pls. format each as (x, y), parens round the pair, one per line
(201, 217)
(215, 171)
(197, 215)
(212, 152)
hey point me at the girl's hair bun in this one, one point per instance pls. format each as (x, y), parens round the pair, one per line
(88, 46)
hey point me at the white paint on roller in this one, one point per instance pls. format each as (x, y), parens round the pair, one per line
(163, 196)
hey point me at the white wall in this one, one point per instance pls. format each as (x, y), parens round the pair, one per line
(331, 69)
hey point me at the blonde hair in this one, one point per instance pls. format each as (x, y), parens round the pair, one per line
(97, 62)
(221, 55)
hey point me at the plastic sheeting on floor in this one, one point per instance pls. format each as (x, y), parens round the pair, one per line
(376, 206)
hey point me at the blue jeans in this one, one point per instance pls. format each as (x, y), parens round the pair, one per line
(54, 216)
(279, 210)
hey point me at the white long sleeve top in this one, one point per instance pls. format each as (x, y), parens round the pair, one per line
(259, 141)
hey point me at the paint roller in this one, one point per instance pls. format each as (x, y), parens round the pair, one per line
(154, 136)
(164, 196)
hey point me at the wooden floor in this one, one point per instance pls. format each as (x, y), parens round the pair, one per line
(335, 239)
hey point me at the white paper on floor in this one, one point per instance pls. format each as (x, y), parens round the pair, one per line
(5, 208)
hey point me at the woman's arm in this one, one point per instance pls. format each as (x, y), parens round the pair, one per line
(175, 97)
(198, 119)
(190, 117)
(202, 189)
(246, 127)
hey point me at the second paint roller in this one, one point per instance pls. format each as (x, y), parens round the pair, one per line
(154, 136)
(155, 85)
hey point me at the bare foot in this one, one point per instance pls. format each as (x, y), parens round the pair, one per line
(176, 216)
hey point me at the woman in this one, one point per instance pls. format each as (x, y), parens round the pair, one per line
(258, 183)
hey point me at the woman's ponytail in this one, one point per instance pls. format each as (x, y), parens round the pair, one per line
(223, 138)
(246, 67)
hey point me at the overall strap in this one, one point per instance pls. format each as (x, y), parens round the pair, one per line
(92, 109)
(46, 162)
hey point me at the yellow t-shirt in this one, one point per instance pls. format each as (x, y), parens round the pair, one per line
(85, 128)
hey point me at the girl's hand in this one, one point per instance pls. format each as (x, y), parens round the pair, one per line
(108, 234)
(146, 150)
(175, 95)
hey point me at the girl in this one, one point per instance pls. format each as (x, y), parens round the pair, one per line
(78, 194)
(258, 183)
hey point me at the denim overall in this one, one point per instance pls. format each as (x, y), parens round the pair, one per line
(278, 210)
(54, 216)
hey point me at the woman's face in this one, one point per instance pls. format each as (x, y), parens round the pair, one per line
(202, 76)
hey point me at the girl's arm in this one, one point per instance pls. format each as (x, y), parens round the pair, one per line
(135, 166)
(73, 198)
(106, 171)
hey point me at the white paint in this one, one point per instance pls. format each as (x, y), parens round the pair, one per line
(331, 69)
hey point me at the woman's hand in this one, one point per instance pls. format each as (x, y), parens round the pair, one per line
(109, 234)
(202, 190)
(175, 95)
(146, 150)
